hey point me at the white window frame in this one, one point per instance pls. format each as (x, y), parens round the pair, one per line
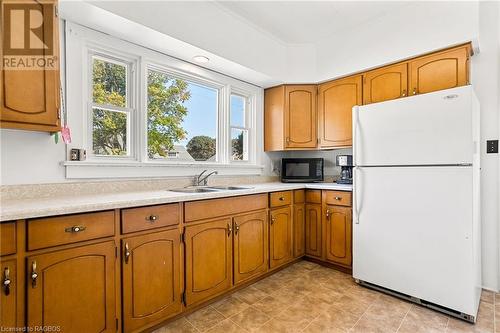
(82, 43)
(249, 123)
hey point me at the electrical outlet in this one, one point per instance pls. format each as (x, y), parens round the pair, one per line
(492, 147)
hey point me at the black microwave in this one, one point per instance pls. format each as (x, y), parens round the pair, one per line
(302, 170)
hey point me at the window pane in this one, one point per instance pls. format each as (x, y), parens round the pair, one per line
(238, 110)
(239, 144)
(109, 83)
(182, 119)
(109, 132)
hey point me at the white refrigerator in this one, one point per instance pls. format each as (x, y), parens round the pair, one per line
(416, 209)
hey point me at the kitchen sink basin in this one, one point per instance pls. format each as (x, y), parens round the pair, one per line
(193, 190)
(230, 188)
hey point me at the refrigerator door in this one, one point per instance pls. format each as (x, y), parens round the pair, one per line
(413, 233)
(428, 129)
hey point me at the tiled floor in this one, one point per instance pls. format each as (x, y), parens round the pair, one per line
(306, 297)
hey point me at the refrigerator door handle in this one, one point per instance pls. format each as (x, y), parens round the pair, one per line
(356, 193)
(355, 113)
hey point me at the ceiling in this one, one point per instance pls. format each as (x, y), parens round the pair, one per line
(299, 22)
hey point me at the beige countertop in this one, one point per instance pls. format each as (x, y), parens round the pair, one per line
(13, 209)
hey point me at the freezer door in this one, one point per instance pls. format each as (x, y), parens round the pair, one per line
(413, 233)
(429, 129)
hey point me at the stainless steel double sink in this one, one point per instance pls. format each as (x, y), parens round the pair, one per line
(204, 189)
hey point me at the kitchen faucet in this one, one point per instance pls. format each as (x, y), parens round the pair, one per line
(199, 181)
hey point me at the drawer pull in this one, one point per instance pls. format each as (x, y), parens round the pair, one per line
(127, 253)
(34, 274)
(282, 199)
(152, 218)
(6, 281)
(75, 228)
(338, 198)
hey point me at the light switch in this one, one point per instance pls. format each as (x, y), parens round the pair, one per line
(492, 147)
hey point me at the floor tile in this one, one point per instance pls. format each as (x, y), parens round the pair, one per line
(351, 305)
(205, 318)
(271, 305)
(226, 326)
(179, 326)
(230, 306)
(268, 285)
(250, 295)
(422, 320)
(488, 296)
(250, 319)
(332, 321)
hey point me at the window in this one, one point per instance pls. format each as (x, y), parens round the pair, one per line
(131, 106)
(239, 129)
(110, 112)
(182, 118)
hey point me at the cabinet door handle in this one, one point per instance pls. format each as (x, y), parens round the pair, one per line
(6, 281)
(229, 230)
(75, 229)
(236, 228)
(273, 219)
(404, 93)
(327, 214)
(414, 92)
(34, 274)
(152, 218)
(127, 253)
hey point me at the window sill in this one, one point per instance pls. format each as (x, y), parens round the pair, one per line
(132, 169)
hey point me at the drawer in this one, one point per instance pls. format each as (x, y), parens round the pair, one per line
(299, 196)
(313, 196)
(277, 199)
(339, 198)
(7, 238)
(52, 231)
(145, 218)
(208, 209)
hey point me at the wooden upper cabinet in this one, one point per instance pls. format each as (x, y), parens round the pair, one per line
(30, 98)
(385, 83)
(335, 102)
(280, 238)
(208, 259)
(151, 278)
(8, 296)
(313, 230)
(251, 249)
(299, 230)
(300, 116)
(438, 71)
(338, 222)
(73, 289)
(290, 120)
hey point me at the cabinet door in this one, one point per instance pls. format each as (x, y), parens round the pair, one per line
(385, 83)
(300, 116)
(313, 230)
(336, 99)
(151, 278)
(8, 297)
(280, 249)
(443, 70)
(339, 235)
(299, 237)
(41, 110)
(73, 289)
(208, 259)
(251, 249)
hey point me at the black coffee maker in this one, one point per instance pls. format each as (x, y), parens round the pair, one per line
(345, 163)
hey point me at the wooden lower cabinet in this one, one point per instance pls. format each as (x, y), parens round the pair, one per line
(313, 230)
(73, 289)
(151, 279)
(338, 236)
(8, 297)
(299, 238)
(280, 237)
(251, 248)
(208, 248)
